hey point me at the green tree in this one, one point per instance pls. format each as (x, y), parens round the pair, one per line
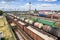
(35, 11)
(59, 11)
(1, 12)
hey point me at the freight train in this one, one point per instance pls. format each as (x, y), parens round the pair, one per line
(48, 29)
(49, 16)
(46, 15)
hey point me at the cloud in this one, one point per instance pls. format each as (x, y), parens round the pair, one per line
(3, 2)
(27, 4)
(8, 0)
(48, 0)
(40, 0)
(46, 7)
(4, 6)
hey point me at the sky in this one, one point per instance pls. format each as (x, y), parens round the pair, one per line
(21, 5)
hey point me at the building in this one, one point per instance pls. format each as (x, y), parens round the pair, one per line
(45, 11)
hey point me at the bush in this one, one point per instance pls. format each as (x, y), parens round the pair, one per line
(1, 12)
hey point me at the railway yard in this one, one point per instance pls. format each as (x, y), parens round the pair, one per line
(29, 27)
(29, 19)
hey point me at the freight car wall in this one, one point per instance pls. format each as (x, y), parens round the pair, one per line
(42, 15)
(46, 22)
(41, 35)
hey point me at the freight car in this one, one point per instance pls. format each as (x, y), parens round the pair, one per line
(46, 28)
(42, 15)
(48, 16)
(23, 27)
(55, 17)
(46, 22)
(38, 35)
(27, 31)
(38, 25)
(32, 34)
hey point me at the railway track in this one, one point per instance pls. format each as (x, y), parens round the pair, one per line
(17, 34)
(22, 32)
(49, 19)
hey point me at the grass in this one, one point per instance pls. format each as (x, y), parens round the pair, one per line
(4, 27)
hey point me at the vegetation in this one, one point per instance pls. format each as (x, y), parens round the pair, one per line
(4, 27)
(57, 11)
(35, 11)
(1, 12)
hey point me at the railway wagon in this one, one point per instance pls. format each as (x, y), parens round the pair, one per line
(36, 35)
(46, 22)
(32, 34)
(21, 24)
(48, 16)
(39, 26)
(23, 27)
(55, 17)
(42, 15)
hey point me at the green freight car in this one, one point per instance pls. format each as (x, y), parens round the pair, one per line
(46, 22)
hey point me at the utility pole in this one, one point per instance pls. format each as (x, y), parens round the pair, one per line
(52, 15)
(29, 8)
(15, 11)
